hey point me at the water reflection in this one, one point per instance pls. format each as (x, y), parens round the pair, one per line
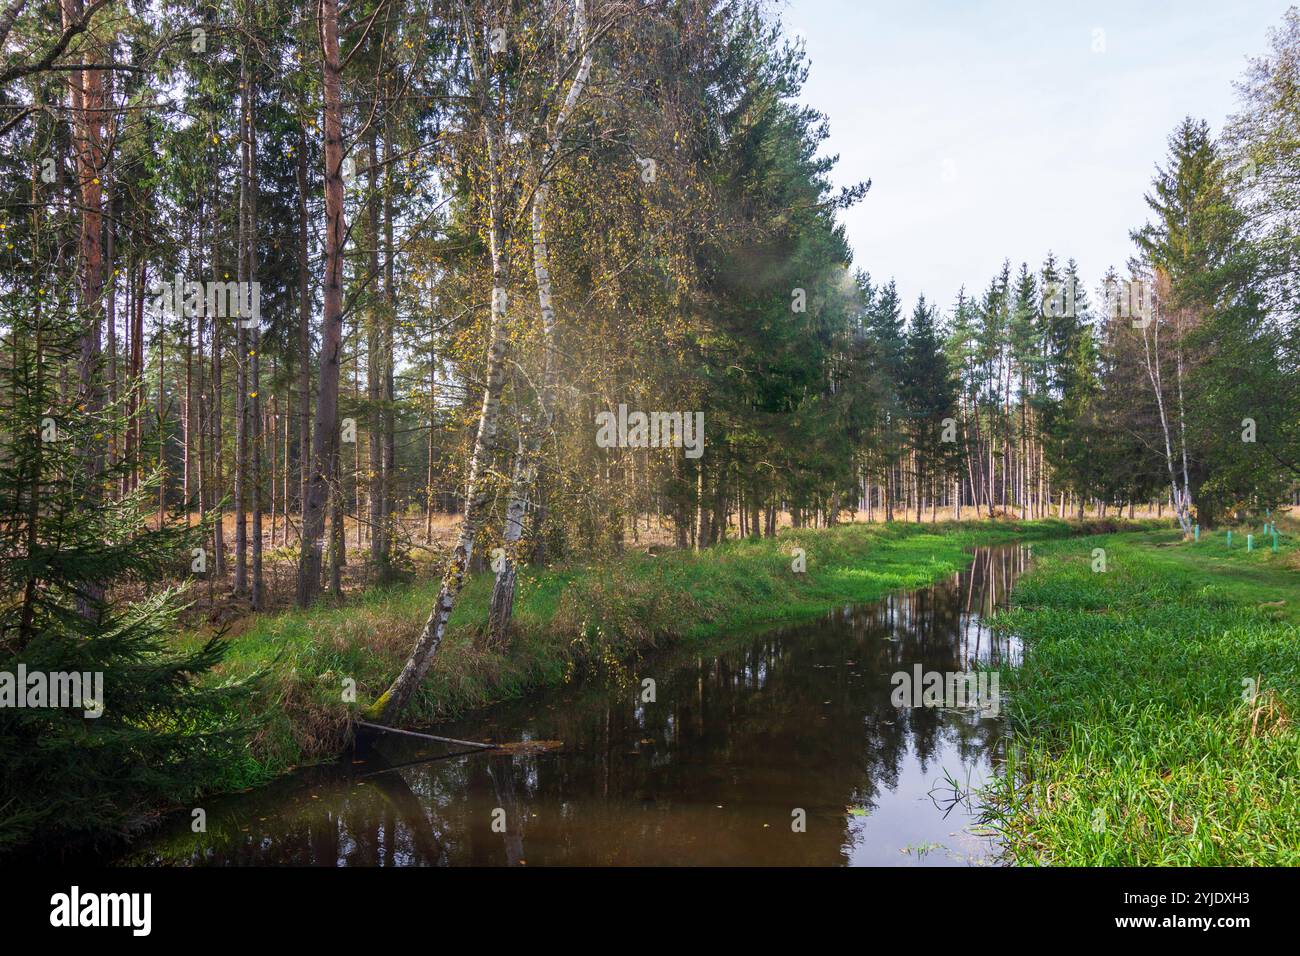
(712, 772)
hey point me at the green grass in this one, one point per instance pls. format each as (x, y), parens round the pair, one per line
(1133, 744)
(569, 620)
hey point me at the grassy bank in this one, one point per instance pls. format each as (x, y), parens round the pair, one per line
(1135, 744)
(570, 618)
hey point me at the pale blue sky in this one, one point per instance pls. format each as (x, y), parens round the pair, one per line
(993, 129)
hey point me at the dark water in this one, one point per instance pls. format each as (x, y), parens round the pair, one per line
(712, 772)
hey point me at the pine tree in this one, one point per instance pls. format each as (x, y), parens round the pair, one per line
(884, 326)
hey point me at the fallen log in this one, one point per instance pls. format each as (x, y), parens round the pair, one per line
(423, 736)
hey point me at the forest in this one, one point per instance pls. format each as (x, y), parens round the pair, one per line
(301, 303)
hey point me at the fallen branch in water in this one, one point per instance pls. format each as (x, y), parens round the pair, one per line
(424, 736)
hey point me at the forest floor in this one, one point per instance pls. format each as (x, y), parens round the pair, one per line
(569, 619)
(424, 543)
(1157, 713)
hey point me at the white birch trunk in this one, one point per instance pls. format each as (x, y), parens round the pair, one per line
(393, 701)
(524, 474)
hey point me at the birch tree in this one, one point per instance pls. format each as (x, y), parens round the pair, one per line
(532, 434)
(482, 41)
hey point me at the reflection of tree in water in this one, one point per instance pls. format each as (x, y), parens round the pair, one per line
(943, 629)
(416, 841)
(709, 773)
(345, 814)
(503, 787)
(798, 718)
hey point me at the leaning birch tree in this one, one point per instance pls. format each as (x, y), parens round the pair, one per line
(483, 39)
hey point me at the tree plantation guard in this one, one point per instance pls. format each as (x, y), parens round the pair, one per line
(683, 430)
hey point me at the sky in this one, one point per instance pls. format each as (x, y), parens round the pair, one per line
(995, 130)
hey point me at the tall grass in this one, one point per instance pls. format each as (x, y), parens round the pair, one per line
(1155, 713)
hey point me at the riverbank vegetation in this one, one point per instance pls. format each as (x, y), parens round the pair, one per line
(573, 618)
(288, 689)
(1157, 713)
(300, 300)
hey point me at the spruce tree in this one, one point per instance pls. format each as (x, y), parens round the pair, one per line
(149, 723)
